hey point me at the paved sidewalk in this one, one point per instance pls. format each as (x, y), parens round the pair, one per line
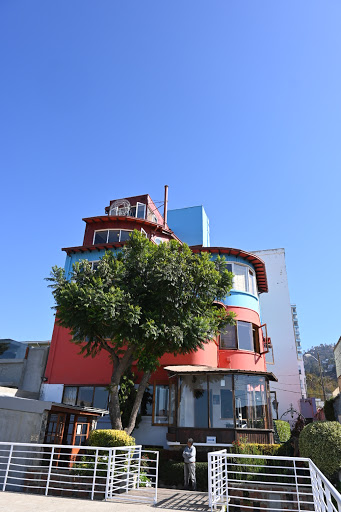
(169, 499)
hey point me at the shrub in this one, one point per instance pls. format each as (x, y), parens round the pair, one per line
(329, 410)
(321, 442)
(110, 438)
(172, 473)
(282, 428)
(258, 449)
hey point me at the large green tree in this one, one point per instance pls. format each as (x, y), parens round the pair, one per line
(140, 303)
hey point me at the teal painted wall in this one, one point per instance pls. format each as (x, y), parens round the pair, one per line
(191, 225)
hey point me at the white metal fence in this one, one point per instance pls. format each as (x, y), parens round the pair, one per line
(126, 472)
(257, 482)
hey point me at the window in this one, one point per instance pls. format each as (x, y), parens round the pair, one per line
(244, 279)
(140, 210)
(218, 400)
(144, 232)
(221, 401)
(109, 236)
(242, 336)
(86, 396)
(154, 219)
(251, 401)
(193, 406)
(70, 395)
(161, 394)
(94, 265)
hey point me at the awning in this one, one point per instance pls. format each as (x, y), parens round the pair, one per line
(188, 368)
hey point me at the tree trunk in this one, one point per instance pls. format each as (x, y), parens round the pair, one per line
(137, 403)
(120, 366)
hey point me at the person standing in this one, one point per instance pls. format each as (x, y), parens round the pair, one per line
(189, 455)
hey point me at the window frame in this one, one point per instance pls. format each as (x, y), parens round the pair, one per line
(107, 238)
(233, 263)
(77, 392)
(255, 339)
(153, 406)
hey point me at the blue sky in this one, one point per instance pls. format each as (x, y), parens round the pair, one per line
(235, 105)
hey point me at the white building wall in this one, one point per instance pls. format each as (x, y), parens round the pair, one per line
(276, 313)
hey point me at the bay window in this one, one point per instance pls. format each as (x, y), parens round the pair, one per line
(220, 401)
(244, 279)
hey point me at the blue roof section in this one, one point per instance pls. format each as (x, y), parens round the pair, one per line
(191, 225)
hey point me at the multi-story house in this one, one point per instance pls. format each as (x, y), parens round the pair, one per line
(299, 352)
(221, 391)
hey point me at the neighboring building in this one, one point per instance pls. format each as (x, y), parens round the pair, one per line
(220, 391)
(276, 312)
(337, 355)
(299, 352)
(22, 366)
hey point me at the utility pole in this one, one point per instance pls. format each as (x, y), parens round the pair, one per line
(321, 374)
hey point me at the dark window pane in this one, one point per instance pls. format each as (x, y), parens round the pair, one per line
(85, 396)
(101, 237)
(125, 236)
(101, 398)
(141, 211)
(229, 267)
(161, 404)
(70, 394)
(114, 236)
(228, 337)
(245, 338)
(133, 211)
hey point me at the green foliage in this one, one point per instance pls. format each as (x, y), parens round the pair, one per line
(282, 428)
(329, 410)
(321, 442)
(140, 303)
(259, 449)
(314, 386)
(110, 438)
(156, 298)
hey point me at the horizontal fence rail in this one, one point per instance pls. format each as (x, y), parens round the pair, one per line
(89, 472)
(258, 482)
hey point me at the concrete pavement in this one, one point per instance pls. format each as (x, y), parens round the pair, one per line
(171, 499)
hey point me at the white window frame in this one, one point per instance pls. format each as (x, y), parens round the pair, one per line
(145, 210)
(92, 263)
(233, 263)
(107, 230)
(144, 232)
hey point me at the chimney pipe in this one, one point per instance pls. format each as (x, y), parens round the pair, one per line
(165, 206)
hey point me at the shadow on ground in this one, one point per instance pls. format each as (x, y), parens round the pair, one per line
(173, 499)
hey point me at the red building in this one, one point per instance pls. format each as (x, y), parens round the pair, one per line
(220, 391)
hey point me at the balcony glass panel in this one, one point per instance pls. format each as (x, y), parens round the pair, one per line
(221, 401)
(193, 406)
(114, 236)
(101, 237)
(251, 401)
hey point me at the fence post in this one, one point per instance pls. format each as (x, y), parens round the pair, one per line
(297, 492)
(49, 473)
(7, 468)
(227, 484)
(108, 475)
(139, 467)
(156, 476)
(128, 469)
(94, 477)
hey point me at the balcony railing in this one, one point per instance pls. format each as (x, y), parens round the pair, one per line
(257, 482)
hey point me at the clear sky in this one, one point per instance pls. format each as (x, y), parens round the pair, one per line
(236, 105)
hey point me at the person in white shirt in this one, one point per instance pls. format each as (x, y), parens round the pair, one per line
(189, 455)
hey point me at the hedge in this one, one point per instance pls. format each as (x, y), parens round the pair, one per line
(172, 473)
(321, 442)
(282, 429)
(110, 438)
(329, 409)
